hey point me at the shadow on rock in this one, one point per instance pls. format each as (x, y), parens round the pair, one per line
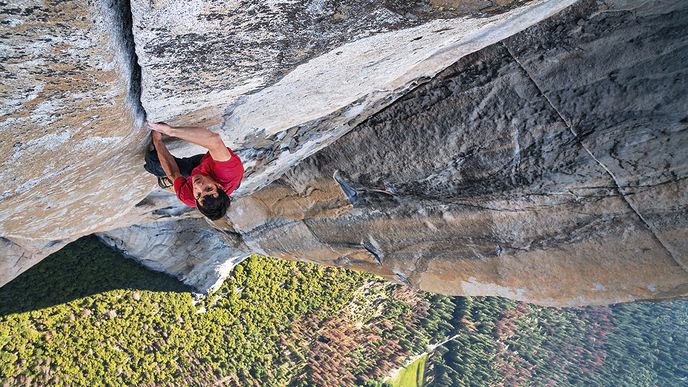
(82, 268)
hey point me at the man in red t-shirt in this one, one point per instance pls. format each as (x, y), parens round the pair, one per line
(214, 176)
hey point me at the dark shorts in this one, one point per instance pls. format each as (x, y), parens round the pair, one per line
(186, 164)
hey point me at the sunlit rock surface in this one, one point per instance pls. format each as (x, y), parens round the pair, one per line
(72, 105)
(561, 188)
(69, 130)
(70, 133)
(494, 154)
(280, 80)
(188, 249)
(19, 255)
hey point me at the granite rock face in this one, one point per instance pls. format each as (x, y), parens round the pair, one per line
(534, 151)
(68, 113)
(70, 127)
(549, 168)
(634, 121)
(73, 95)
(19, 255)
(280, 80)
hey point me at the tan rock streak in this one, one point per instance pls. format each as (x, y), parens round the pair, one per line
(566, 254)
(71, 133)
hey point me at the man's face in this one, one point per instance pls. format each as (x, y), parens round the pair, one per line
(204, 186)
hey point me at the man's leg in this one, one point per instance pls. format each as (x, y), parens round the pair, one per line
(185, 164)
(153, 165)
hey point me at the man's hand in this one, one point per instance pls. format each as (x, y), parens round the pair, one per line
(160, 127)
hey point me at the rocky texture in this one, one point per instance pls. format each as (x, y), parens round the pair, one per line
(489, 180)
(564, 188)
(17, 255)
(187, 249)
(545, 162)
(633, 121)
(70, 127)
(241, 68)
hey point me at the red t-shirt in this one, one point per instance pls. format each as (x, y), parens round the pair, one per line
(228, 173)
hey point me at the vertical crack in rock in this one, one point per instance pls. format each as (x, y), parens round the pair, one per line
(617, 186)
(123, 35)
(420, 266)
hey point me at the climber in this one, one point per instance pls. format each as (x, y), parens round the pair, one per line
(203, 181)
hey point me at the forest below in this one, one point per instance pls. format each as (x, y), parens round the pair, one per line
(86, 315)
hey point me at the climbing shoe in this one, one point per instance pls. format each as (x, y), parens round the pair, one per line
(164, 182)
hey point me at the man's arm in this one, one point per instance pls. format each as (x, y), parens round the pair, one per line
(169, 165)
(199, 136)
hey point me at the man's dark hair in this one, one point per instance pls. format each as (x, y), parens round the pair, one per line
(214, 207)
